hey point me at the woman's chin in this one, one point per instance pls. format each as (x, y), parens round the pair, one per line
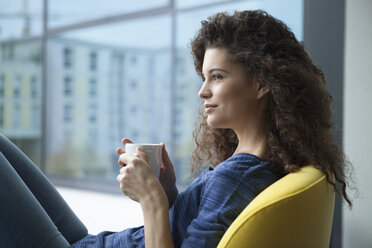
(213, 123)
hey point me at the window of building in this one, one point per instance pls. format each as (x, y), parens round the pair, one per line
(34, 87)
(35, 116)
(181, 67)
(133, 110)
(68, 113)
(7, 51)
(93, 137)
(17, 86)
(178, 118)
(68, 134)
(92, 113)
(133, 60)
(67, 57)
(68, 86)
(151, 66)
(16, 115)
(92, 87)
(133, 85)
(93, 61)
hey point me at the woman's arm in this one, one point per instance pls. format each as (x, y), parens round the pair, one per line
(156, 217)
(138, 182)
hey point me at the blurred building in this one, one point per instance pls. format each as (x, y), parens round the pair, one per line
(96, 95)
(20, 90)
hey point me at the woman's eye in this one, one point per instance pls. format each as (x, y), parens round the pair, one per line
(217, 77)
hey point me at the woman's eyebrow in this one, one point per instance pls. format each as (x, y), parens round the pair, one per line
(216, 69)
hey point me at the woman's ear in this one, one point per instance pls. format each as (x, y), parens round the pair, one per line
(262, 90)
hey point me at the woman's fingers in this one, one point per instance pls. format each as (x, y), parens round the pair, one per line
(126, 158)
(142, 154)
(126, 140)
(120, 150)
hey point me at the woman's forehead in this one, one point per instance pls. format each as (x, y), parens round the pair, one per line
(218, 58)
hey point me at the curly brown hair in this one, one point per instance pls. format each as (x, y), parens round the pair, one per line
(298, 114)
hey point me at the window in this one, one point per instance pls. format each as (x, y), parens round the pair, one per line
(181, 67)
(93, 137)
(17, 86)
(92, 87)
(178, 118)
(68, 113)
(35, 116)
(133, 60)
(92, 113)
(110, 71)
(67, 57)
(133, 85)
(151, 66)
(34, 87)
(93, 61)
(16, 115)
(68, 86)
(133, 110)
(7, 51)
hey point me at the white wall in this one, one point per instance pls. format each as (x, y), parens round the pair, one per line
(357, 223)
(103, 212)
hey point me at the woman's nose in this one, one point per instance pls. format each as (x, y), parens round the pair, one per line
(204, 92)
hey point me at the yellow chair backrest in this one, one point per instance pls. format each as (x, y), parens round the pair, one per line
(295, 211)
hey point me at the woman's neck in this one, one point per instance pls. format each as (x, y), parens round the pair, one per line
(251, 140)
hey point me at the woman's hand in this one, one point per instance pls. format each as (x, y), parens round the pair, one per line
(167, 176)
(137, 179)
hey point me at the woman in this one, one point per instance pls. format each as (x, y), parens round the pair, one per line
(267, 113)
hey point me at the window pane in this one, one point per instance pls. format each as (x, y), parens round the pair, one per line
(20, 95)
(116, 85)
(70, 11)
(20, 19)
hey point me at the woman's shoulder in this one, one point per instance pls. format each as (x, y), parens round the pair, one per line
(242, 162)
(244, 167)
(240, 168)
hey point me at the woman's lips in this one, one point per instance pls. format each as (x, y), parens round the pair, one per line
(209, 108)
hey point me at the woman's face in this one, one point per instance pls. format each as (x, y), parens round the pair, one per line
(230, 100)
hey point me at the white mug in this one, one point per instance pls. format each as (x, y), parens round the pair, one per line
(153, 152)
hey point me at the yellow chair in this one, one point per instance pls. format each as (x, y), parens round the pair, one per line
(296, 211)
